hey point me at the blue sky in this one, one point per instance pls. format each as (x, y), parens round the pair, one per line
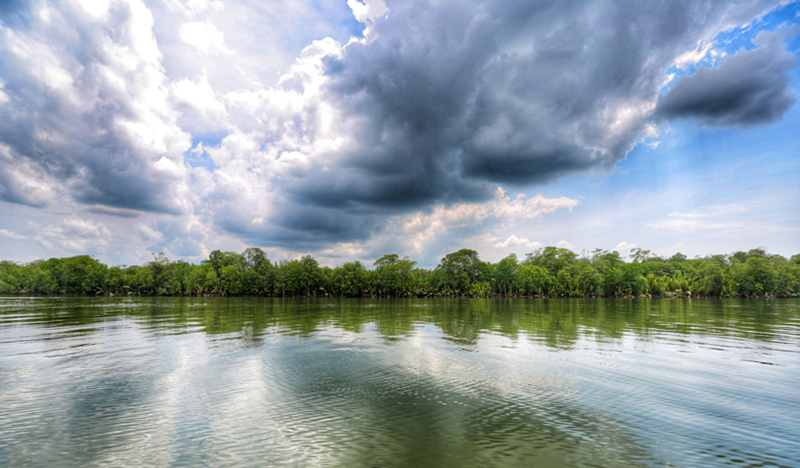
(351, 129)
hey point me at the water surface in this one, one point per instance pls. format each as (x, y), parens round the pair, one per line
(380, 383)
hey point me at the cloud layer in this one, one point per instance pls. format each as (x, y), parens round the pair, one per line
(86, 113)
(748, 88)
(120, 112)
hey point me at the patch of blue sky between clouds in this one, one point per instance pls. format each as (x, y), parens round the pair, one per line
(197, 156)
(353, 26)
(341, 15)
(731, 41)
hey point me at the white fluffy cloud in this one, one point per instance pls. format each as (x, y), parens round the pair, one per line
(75, 236)
(205, 37)
(88, 115)
(418, 229)
(11, 235)
(513, 241)
(367, 10)
(565, 245)
(624, 246)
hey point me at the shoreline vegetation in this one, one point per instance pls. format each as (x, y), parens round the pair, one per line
(549, 272)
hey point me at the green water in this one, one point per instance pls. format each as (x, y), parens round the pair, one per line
(381, 383)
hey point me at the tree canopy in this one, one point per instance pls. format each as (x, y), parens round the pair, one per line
(546, 272)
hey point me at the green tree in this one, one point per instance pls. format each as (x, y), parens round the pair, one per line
(395, 276)
(756, 276)
(349, 279)
(534, 279)
(230, 280)
(505, 274)
(640, 255)
(603, 260)
(677, 258)
(553, 259)
(311, 276)
(590, 281)
(459, 270)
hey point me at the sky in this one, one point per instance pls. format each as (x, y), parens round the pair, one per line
(350, 129)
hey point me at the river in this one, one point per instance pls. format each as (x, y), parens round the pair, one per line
(398, 382)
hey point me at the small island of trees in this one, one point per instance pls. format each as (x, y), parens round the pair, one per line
(546, 272)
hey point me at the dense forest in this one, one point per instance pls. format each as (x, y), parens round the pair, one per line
(547, 272)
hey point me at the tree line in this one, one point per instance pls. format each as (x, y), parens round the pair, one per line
(546, 272)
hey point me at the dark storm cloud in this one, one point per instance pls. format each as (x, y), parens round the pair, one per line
(751, 87)
(68, 119)
(451, 97)
(405, 96)
(300, 226)
(393, 186)
(120, 212)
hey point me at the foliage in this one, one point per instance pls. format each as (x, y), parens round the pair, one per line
(547, 272)
(395, 276)
(459, 270)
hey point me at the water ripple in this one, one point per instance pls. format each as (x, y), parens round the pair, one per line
(255, 382)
